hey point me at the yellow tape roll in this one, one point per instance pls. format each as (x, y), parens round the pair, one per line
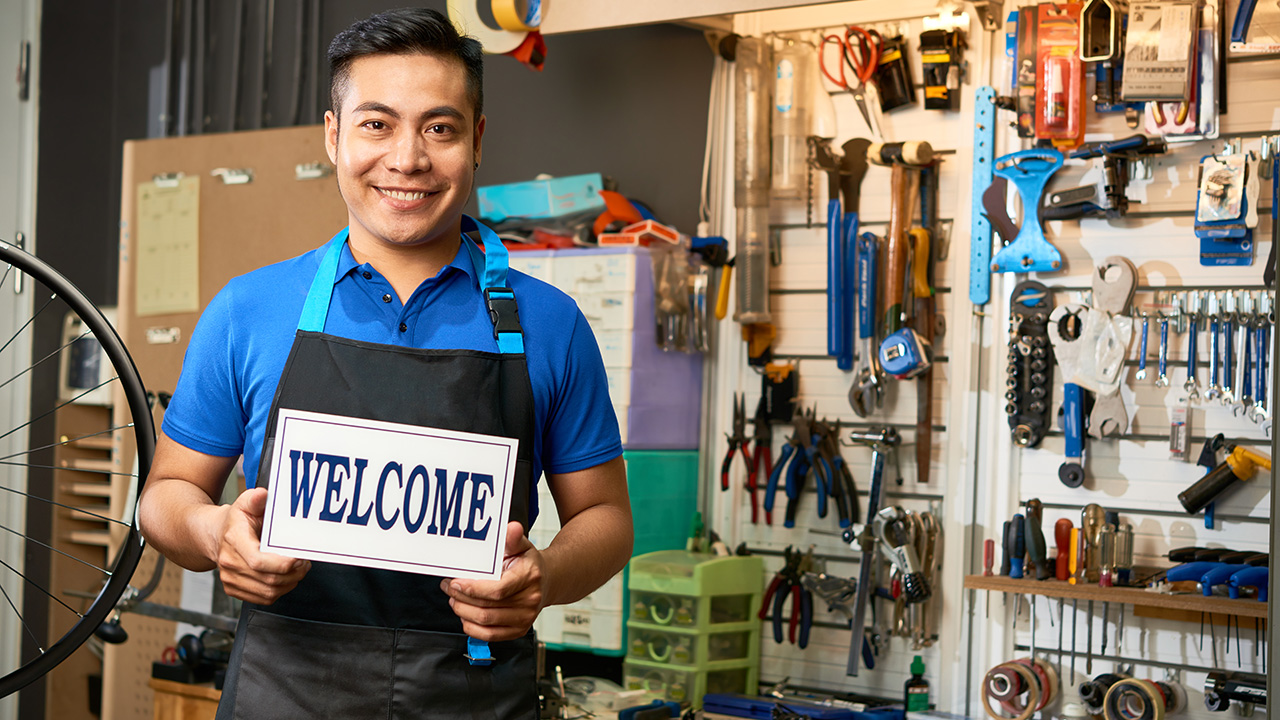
(465, 16)
(519, 15)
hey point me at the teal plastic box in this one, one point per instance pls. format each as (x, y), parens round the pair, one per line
(541, 198)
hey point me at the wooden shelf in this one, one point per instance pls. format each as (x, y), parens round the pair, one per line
(1245, 607)
(106, 465)
(95, 489)
(90, 442)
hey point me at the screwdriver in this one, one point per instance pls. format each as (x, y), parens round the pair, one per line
(1016, 546)
(1073, 568)
(988, 559)
(1035, 539)
(1062, 538)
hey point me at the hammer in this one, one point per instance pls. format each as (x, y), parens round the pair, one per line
(904, 158)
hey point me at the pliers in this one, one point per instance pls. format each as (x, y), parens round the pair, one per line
(737, 441)
(815, 463)
(790, 461)
(786, 582)
(763, 451)
(843, 488)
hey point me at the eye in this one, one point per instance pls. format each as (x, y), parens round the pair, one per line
(440, 129)
(375, 125)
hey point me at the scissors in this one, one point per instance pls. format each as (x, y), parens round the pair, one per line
(862, 59)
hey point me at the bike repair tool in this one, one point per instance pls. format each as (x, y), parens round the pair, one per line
(788, 582)
(1029, 375)
(1071, 472)
(762, 451)
(1162, 359)
(1034, 519)
(1073, 567)
(1228, 327)
(737, 440)
(1241, 464)
(1029, 171)
(1109, 417)
(882, 442)
(1100, 30)
(926, 313)
(862, 60)
(988, 561)
(1106, 198)
(1141, 374)
(1092, 519)
(843, 488)
(1093, 692)
(1256, 577)
(984, 145)
(1192, 384)
(1215, 386)
(898, 547)
(867, 392)
(792, 461)
(818, 467)
(1016, 546)
(837, 592)
(904, 160)
(853, 168)
(1062, 539)
(837, 324)
(1221, 688)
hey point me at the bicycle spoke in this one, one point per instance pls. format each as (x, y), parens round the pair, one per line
(35, 364)
(27, 324)
(73, 508)
(28, 538)
(83, 470)
(68, 441)
(41, 589)
(56, 408)
(36, 640)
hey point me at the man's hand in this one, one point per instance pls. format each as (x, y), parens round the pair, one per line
(504, 609)
(248, 573)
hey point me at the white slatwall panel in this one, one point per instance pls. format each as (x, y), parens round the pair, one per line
(978, 476)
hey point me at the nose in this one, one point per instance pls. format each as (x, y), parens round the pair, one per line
(408, 153)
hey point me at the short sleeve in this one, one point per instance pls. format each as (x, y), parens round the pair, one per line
(206, 414)
(582, 429)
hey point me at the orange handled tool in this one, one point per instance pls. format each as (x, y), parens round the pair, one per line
(1062, 538)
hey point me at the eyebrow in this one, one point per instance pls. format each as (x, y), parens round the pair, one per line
(440, 111)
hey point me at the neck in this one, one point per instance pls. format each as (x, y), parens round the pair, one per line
(406, 267)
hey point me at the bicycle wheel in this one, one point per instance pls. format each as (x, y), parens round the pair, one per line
(95, 498)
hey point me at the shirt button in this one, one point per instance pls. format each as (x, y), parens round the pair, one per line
(403, 327)
(386, 298)
(367, 275)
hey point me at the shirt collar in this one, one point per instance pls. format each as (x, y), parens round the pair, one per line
(461, 261)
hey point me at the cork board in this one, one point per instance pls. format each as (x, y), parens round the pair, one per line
(276, 214)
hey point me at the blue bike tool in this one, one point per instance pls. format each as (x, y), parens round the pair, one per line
(1071, 472)
(984, 150)
(1029, 171)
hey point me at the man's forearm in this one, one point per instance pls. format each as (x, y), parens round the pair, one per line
(180, 520)
(591, 548)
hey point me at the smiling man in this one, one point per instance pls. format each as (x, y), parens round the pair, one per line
(399, 318)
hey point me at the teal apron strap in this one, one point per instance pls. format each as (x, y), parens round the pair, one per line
(316, 309)
(499, 298)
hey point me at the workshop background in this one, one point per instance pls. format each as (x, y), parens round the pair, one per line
(650, 106)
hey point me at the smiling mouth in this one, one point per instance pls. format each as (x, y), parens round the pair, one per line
(404, 194)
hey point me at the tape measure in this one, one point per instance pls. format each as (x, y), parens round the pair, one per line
(516, 19)
(518, 15)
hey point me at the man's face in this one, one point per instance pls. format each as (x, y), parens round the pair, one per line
(405, 150)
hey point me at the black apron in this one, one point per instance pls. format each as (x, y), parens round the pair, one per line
(356, 642)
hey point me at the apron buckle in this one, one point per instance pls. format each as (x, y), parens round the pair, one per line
(478, 652)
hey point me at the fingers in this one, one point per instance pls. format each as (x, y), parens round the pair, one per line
(501, 609)
(246, 572)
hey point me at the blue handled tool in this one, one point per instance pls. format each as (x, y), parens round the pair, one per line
(1071, 472)
(1191, 571)
(657, 708)
(984, 144)
(1256, 577)
(1219, 575)
(1029, 171)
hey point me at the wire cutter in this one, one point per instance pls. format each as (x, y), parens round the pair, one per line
(762, 452)
(787, 582)
(863, 62)
(737, 442)
(843, 488)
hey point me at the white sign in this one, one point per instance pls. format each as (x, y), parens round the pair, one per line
(386, 495)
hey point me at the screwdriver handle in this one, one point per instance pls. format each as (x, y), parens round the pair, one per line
(1073, 559)
(1036, 545)
(1062, 538)
(988, 556)
(1018, 546)
(1006, 541)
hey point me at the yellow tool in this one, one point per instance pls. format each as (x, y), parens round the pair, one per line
(1241, 464)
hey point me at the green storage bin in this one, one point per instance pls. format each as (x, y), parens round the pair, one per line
(693, 590)
(675, 647)
(683, 685)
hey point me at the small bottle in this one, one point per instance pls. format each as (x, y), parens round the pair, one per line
(916, 689)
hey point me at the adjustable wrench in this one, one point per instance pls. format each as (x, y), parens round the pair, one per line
(867, 392)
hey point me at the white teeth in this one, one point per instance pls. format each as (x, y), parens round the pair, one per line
(401, 195)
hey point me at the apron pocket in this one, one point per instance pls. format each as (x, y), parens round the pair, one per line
(434, 680)
(293, 668)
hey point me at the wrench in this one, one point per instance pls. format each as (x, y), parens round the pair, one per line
(1192, 385)
(1245, 403)
(867, 392)
(1162, 379)
(1215, 388)
(1229, 384)
(1142, 351)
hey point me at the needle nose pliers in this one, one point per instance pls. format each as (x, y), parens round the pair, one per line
(762, 452)
(737, 441)
(787, 582)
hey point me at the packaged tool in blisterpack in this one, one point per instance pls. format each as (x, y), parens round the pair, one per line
(1226, 209)
(1029, 375)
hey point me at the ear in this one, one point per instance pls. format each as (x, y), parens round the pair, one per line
(479, 134)
(331, 136)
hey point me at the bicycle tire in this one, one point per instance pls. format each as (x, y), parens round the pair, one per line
(125, 560)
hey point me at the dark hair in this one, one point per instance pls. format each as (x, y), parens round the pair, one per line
(399, 32)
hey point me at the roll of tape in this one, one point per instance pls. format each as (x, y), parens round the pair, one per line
(1051, 692)
(465, 16)
(1134, 699)
(519, 15)
(1029, 680)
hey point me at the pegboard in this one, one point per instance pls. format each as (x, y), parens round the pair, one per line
(979, 475)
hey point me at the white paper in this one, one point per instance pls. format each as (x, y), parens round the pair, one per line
(388, 495)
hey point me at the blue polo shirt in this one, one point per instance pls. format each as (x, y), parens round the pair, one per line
(239, 348)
